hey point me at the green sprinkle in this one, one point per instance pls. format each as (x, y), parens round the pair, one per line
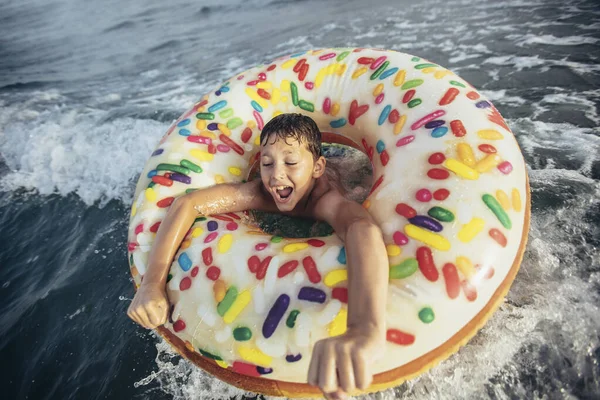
(343, 55)
(412, 84)
(423, 66)
(291, 319)
(131, 259)
(497, 209)
(210, 355)
(415, 59)
(379, 70)
(276, 239)
(414, 103)
(426, 315)
(199, 219)
(294, 90)
(234, 123)
(169, 277)
(205, 116)
(441, 214)
(152, 184)
(226, 113)
(405, 269)
(456, 83)
(242, 334)
(227, 301)
(190, 165)
(306, 105)
(172, 167)
(187, 191)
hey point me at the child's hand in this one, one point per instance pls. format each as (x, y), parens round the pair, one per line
(150, 306)
(342, 363)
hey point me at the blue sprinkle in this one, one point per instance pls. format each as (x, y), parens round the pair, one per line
(157, 152)
(213, 126)
(439, 132)
(225, 89)
(483, 104)
(338, 123)
(217, 106)
(256, 106)
(212, 225)
(342, 256)
(388, 73)
(184, 262)
(152, 173)
(184, 132)
(380, 146)
(434, 124)
(184, 122)
(263, 370)
(384, 114)
(293, 358)
(297, 54)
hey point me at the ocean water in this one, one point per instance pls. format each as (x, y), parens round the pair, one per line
(88, 88)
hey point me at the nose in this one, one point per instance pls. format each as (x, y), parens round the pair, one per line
(278, 171)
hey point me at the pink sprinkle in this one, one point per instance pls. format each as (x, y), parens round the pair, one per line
(223, 148)
(378, 62)
(131, 246)
(252, 83)
(139, 229)
(210, 237)
(426, 119)
(259, 120)
(400, 238)
(262, 76)
(239, 78)
(379, 98)
(423, 195)
(327, 56)
(405, 140)
(261, 246)
(232, 226)
(309, 85)
(326, 105)
(505, 167)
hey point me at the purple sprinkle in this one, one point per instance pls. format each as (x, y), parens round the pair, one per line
(293, 358)
(426, 222)
(212, 225)
(312, 294)
(275, 314)
(157, 152)
(218, 92)
(176, 176)
(483, 104)
(213, 126)
(434, 124)
(263, 370)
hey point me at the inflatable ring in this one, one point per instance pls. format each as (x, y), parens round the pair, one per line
(451, 196)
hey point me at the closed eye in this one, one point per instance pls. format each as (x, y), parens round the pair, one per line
(267, 165)
(291, 163)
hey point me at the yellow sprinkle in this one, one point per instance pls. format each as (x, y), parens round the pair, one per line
(490, 134)
(201, 155)
(441, 73)
(516, 199)
(336, 276)
(488, 162)
(264, 85)
(225, 243)
(285, 85)
(378, 89)
(208, 134)
(254, 96)
(289, 63)
(433, 239)
(293, 247)
(465, 154)
(366, 204)
(502, 198)
(222, 364)
(335, 109)
(275, 96)
(399, 79)
(237, 307)
(219, 179)
(219, 290)
(399, 125)
(197, 232)
(201, 109)
(393, 250)
(339, 324)
(465, 266)
(185, 244)
(254, 356)
(201, 124)
(470, 230)
(284, 99)
(251, 124)
(275, 113)
(257, 233)
(461, 169)
(359, 72)
(340, 69)
(320, 77)
(235, 171)
(189, 346)
(428, 70)
(257, 138)
(224, 129)
(150, 194)
(133, 209)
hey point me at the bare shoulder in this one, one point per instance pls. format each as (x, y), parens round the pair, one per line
(229, 197)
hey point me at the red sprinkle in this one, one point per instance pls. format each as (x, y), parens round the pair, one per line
(253, 264)
(408, 96)
(246, 135)
(139, 229)
(236, 147)
(400, 238)
(303, 72)
(426, 264)
(379, 98)
(262, 76)
(327, 105)
(487, 148)
(222, 218)
(356, 111)
(264, 94)
(161, 180)
(451, 278)
(449, 97)
(469, 290)
(315, 242)
(311, 269)
(195, 271)
(394, 116)
(340, 293)
(213, 273)
(245, 369)
(233, 215)
(252, 83)
(185, 283)
(457, 127)
(505, 167)
(385, 157)
(438, 173)
(154, 228)
(210, 237)
(376, 184)
(166, 202)
(131, 246)
(437, 158)
(287, 268)
(473, 95)
(232, 226)
(399, 337)
(498, 237)
(261, 246)
(179, 325)
(262, 268)
(365, 60)
(309, 85)
(441, 194)
(271, 67)
(423, 195)
(207, 257)
(299, 65)
(212, 149)
(405, 210)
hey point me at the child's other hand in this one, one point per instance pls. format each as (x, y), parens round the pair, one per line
(343, 363)
(150, 306)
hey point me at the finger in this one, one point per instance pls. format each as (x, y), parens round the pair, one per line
(337, 395)
(143, 318)
(155, 314)
(345, 370)
(313, 369)
(327, 373)
(362, 370)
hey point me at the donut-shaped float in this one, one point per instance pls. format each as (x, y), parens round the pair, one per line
(451, 196)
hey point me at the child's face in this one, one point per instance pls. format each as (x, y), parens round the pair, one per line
(287, 170)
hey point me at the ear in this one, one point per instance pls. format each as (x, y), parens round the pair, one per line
(319, 168)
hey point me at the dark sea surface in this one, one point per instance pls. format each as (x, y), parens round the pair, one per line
(88, 88)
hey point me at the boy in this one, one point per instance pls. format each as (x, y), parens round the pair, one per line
(294, 182)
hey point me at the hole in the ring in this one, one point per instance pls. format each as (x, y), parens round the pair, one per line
(346, 164)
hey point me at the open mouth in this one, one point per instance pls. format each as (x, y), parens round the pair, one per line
(283, 193)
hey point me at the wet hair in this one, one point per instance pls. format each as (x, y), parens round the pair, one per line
(296, 126)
